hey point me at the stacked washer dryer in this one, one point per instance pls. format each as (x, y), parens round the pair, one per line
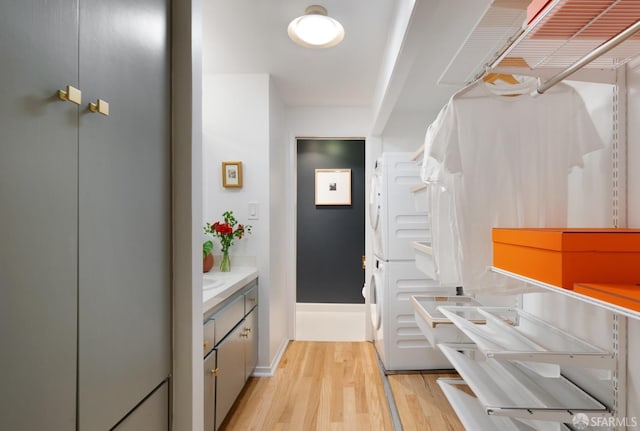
(396, 223)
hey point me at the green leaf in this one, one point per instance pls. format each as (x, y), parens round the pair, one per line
(207, 246)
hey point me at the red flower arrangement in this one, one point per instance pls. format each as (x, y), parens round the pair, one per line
(227, 232)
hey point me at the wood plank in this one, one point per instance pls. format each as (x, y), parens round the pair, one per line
(318, 386)
(337, 386)
(421, 404)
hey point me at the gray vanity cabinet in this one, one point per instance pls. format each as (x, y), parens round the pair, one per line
(251, 342)
(85, 224)
(235, 352)
(209, 373)
(231, 373)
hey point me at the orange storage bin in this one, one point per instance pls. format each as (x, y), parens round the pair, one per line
(564, 256)
(623, 295)
(534, 9)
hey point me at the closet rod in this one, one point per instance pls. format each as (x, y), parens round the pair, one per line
(602, 49)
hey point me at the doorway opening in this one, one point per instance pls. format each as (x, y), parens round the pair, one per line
(330, 239)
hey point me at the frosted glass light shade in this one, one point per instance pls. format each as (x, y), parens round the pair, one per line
(315, 29)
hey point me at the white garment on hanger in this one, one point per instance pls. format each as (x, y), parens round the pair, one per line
(508, 159)
(444, 240)
(430, 170)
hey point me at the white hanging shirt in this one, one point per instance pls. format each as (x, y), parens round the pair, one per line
(512, 157)
(444, 241)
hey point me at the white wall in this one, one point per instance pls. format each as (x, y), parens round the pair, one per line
(385, 95)
(405, 131)
(279, 317)
(236, 126)
(327, 121)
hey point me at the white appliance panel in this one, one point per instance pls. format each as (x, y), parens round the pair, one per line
(375, 310)
(398, 340)
(393, 216)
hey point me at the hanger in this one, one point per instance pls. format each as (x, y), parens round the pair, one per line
(518, 65)
(492, 77)
(510, 62)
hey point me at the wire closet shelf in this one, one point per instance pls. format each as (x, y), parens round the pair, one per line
(567, 36)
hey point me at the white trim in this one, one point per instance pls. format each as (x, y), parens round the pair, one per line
(331, 322)
(270, 371)
(186, 184)
(292, 215)
(329, 308)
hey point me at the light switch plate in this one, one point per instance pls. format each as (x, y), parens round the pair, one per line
(253, 211)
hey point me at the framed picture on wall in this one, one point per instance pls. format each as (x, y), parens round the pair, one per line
(333, 186)
(232, 174)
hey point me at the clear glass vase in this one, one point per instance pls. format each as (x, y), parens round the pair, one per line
(225, 265)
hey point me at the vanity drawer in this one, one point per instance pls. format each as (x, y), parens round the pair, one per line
(250, 299)
(228, 317)
(209, 336)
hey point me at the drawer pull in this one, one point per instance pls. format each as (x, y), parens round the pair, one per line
(214, 372)
(206, 344)
(247, 330)
(101, 107)
(71, 94)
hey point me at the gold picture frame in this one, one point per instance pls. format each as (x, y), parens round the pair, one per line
(232, 174)
(333, 187)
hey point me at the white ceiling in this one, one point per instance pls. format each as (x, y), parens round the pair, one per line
(250, 36)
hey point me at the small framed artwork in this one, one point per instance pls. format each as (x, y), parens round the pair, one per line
(333, 186)
(232, 174)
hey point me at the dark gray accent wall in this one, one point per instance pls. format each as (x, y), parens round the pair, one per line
(330, 239)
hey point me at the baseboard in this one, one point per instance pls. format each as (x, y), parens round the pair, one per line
(271, 369)
(331, 322)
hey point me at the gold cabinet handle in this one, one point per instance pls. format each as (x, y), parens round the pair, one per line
(71, 94)
(206, 344)
(214, 372)
(100, 107)
(253, 299)
(247, 330)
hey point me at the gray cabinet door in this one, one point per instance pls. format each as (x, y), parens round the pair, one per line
(151, 415)
(230, 378)
(209, 370)
(38, 215)
(124, 208)
(251, 343)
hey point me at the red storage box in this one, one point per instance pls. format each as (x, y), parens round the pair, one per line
(623, 295)
(564, 256)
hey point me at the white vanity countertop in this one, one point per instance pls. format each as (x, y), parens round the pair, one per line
(218, 286)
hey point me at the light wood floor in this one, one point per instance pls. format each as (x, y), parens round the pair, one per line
(421, 403)
(337, 386)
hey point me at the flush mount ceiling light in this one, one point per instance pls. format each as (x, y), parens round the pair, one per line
(315, 29)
